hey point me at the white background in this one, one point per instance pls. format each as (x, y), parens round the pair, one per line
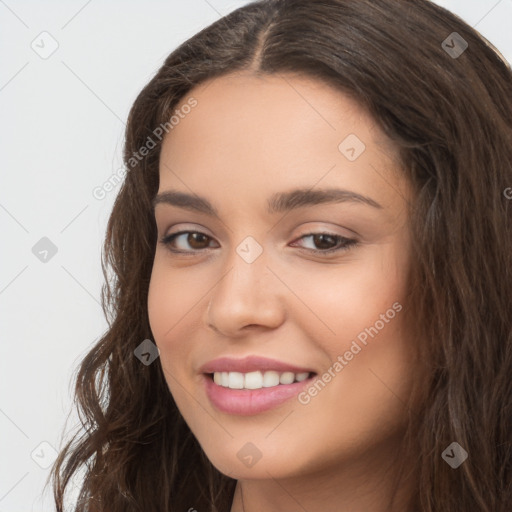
(62, 121)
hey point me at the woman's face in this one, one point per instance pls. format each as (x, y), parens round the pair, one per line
(260, 165)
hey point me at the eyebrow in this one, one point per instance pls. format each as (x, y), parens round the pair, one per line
(277, 203)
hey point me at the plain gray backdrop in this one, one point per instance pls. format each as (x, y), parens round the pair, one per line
(70, 73)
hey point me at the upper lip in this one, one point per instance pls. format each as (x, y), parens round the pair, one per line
(250, 364)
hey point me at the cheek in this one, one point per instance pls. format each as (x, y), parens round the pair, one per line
(350, 297)
(173, 295)
(177, 303)
(360, 398)
(367, 346)
(169, 300)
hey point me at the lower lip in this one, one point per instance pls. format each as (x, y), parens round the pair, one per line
(246, 402)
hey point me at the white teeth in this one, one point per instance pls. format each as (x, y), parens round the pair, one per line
(286, 378)
(257, 379)
(236, 380)
(253, 380)
(270, 379)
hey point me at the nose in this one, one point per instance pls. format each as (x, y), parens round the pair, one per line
(248, 295)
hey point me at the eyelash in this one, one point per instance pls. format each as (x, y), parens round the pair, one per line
(347, 243)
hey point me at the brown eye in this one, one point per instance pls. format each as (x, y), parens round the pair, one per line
(195, 240)
(326, 241)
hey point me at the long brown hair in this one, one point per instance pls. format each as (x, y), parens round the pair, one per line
(450, 116)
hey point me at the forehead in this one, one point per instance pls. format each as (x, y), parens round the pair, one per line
(272, 132)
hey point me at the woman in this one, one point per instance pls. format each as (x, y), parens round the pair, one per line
(309, 306)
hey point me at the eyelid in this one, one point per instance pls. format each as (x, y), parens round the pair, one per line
(185, 227)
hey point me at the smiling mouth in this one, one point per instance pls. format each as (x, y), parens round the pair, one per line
(257, 379)
(247, 394)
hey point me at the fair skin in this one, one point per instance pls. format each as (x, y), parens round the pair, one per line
(247, 139)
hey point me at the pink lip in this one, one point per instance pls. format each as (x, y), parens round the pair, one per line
(246, 402)
(250, 364)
